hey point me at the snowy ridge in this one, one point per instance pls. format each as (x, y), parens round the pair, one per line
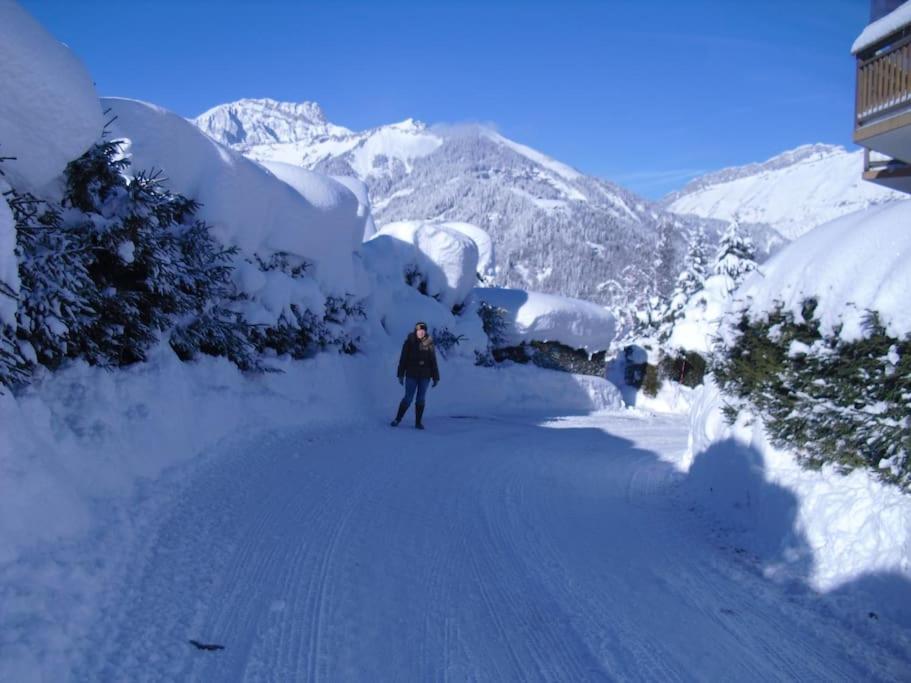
(251, 122)
(541, 215)
(792, 192)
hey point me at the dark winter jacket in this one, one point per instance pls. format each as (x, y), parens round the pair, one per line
(418, 359)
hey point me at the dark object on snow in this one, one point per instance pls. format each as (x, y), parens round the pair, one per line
(206, 646)
(403, 407)
(553, 356)
(873, 615)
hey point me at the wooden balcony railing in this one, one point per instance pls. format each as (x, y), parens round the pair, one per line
(884, 83)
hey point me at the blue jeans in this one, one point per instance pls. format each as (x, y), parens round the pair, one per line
(412, 383)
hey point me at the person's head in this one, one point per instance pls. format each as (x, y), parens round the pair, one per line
(420, 330)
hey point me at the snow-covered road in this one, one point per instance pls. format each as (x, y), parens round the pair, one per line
(481, 549)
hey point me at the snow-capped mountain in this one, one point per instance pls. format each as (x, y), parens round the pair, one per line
(792, 192)
(554, 228)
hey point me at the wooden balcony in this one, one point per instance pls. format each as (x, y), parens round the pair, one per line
(882, 121)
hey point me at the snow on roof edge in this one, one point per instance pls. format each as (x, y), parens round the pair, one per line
(882, 27)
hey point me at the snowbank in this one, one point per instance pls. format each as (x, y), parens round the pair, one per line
(245, 204)
(487, 261)
(9, 265)
(534, 316)
(851, 265)
(338, 203)
(49, 112)
(823, 527)
(446, 259)
(882, 27)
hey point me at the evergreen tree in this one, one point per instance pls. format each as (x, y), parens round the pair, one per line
(119, 264)
(736, 255)
(690, 281)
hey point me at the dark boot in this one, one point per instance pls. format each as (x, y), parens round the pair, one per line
(403, 407)
(418, 414)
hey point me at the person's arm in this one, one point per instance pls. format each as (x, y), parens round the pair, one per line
(400, 373)
(436, 370)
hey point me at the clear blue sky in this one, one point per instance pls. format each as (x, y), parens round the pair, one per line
(647, 94)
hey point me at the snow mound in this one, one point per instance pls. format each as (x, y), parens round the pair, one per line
(9, 265)
(819, 526)
(334, 198)
(487, 262)
(852, 265)
(246, 205)
(446, 259)
(534, 316)
(359, 188)
(49, 112)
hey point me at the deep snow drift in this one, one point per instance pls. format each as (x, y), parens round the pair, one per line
(852, 265)
(49, 112)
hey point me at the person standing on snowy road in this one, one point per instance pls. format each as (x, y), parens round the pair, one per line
(417, 367)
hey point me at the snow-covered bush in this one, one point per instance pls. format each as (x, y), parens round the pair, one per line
(118, 264)
(819, 346)
(495, 324)
(826, 399)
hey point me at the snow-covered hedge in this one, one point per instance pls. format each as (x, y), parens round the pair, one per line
(821, 347)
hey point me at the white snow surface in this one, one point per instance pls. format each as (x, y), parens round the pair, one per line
(561, 169)
(882, 27)
(703, 316)
(487, 260)
(447, 258)
(822, 527)
(534, 316)
(246, 205)
(359, 188)
(335, 199)
(824, 183)
(852, 265)
(280, 517)
(49, 112)
(9, 264)
(404, 142)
